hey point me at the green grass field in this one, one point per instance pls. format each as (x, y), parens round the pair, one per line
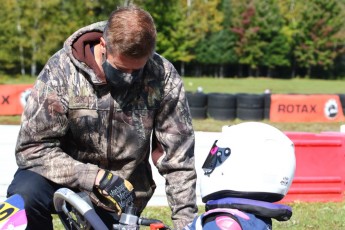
(238, 85)
(321, 216)
(259, 85)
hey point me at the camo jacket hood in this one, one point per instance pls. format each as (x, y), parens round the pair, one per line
(73, 125)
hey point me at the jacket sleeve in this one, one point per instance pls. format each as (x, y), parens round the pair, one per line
(43, 127)
(174, 132)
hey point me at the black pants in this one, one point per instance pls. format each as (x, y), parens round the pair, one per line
(38, 193)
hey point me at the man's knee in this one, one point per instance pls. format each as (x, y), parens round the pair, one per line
(34, 188)
(37, 193)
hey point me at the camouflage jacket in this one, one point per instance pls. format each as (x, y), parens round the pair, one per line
(72, 126)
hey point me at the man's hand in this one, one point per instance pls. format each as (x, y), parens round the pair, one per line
(117, 191)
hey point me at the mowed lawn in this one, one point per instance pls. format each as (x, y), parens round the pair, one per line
(306, 215)
(259, 85)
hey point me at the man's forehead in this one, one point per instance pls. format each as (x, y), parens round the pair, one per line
(126, 63)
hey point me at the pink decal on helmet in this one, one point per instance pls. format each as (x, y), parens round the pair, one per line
(214, 150)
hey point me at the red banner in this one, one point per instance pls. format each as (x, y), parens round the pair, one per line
(13, 98)
(306, 108)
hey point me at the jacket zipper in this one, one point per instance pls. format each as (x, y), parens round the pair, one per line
(110, 132)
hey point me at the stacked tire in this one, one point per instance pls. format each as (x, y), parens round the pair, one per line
(267, 105)
(221, 106)
(197, 105)
(250, 106)
(342, 100)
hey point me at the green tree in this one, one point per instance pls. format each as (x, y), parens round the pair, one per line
(261, 41)
(248, 45)
(9, 27)
(38, 28)
(275, 45)
(217, 48)
(182, 24)
(318, 40)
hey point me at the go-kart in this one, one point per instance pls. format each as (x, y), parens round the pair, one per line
(76, 212)
(12, 214)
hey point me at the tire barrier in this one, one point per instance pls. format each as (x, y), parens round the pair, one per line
(342, 100)
(221, 106)
(267, 105)
(197, 105)
(224, 106)
(250, 106)
(255, 107)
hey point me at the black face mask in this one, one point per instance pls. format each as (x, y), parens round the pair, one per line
(118, 79)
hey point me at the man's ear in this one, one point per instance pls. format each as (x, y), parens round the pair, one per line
(103, 45)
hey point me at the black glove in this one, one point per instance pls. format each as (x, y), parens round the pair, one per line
(119, 191)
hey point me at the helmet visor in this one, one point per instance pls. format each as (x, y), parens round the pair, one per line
(215, 157)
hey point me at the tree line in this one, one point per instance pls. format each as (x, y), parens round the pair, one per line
(221, 38)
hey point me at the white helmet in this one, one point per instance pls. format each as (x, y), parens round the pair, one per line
(251, 160)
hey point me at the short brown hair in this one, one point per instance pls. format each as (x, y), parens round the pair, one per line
(130, 31)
